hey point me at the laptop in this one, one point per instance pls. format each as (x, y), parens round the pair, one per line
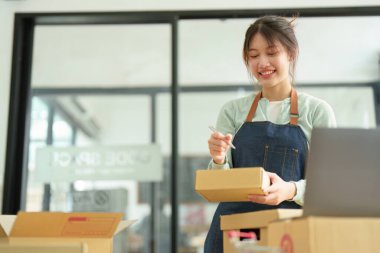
(343, 173)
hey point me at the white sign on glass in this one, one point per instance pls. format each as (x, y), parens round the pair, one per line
(132, 162)
(100, 200)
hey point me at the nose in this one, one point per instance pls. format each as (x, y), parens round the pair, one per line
(263, 62)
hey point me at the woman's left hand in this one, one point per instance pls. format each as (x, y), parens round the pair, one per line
(277, 192)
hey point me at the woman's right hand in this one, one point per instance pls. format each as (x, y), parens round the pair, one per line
(218, 146)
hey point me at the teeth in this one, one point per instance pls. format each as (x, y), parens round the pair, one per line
(267, 72)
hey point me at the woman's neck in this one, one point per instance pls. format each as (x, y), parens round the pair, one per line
(277, 93)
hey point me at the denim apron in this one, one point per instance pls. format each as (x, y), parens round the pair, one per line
(281, 149)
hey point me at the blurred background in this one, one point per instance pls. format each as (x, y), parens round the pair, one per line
(99, 122)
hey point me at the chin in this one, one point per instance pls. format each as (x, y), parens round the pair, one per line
(267, 84)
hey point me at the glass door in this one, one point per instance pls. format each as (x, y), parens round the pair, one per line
(94, 144)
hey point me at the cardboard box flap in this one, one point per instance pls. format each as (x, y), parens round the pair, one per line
(123, 225)
(2, 233)
(59, 224)
(6, 223)
(246, 176)
(256, 219)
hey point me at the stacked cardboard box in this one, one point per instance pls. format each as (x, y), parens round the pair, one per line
(253, 221)
(326, 235)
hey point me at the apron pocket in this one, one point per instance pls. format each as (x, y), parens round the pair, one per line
(282, 161)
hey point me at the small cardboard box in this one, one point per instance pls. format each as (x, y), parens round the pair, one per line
(253, 221)
(326, 234)
(42, 228)
(53, 248)
(230, 185)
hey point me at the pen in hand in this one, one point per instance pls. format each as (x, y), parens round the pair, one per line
(213, 129)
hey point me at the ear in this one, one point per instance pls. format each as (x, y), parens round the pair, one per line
(291, 57)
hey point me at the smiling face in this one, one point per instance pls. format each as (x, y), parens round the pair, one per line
(269, 63)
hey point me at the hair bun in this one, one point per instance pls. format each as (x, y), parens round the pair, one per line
(293, 19)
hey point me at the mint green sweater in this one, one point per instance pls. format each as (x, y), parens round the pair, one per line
(313, 112)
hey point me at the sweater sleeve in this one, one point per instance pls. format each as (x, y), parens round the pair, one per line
(324, 116)
(225, 124)
(299, 197)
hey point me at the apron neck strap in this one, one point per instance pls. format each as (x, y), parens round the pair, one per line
(293, 107)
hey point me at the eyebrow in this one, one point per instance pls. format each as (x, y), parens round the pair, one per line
(270, 47)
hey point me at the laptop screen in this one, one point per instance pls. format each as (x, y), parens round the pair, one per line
(343, 173)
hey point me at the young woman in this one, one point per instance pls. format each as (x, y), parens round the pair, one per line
(271, 129)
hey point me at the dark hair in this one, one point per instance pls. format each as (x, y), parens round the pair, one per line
(274, 28)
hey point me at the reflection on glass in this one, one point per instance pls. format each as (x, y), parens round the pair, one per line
(39, 115)
(62, 131)
(97, 57)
